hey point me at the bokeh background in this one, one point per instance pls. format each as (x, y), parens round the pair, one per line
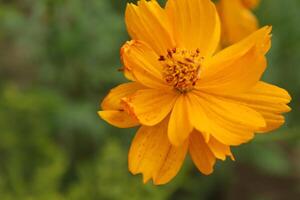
(59, 58)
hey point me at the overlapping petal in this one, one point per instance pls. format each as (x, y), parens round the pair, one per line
(220, 150)
(118, 118)
(236, 113)
(113, 111)
(150, 106)
(152, 154)
(260, 39)
(113, 100)
(269, 100)
(142, 63)
(237, 68)
(195, 24)
(212, 120)
(180, 125)
(148, 22)
(201, 154)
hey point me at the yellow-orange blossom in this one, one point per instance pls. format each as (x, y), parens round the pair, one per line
(186, 97)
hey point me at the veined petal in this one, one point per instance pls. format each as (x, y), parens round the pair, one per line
(269, 100)
(148, 22)
(206, 120)
(114, 112)
(141, 62)
(230, 134)
(237, 68)
(237, 20)
(266, 93)
(233, 76)
(201, 154)
(195, 24)
(233, 112)
(152, 154)
(199, 118)
(219, 149)
(180, 125)
(274, 121)
(150, 106)
(260, 39)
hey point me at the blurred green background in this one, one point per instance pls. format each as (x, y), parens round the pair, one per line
(59, 58)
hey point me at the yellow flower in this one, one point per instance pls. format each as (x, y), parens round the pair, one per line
(185, 97)
(237, 19)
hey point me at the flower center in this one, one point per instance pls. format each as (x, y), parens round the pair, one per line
(181, 68)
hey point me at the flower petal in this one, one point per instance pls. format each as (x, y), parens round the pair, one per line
(141, 62)
(233, 112)
(274, 121)
(120, 119)
(237, 20)
(236, 77)
(113, 100)
(152, 154)
(201, 154)
(114, 112)
(150, 106)
(219, 149)
(148, 22)
(195, 24)
(267, 99)
(237, 68)
(260, 40)
(265, 93)
(209, 122)
(180, 125)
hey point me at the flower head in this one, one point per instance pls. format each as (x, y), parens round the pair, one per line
(185, 97)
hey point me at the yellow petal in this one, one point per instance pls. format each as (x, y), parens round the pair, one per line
(219, 149)
(127, 73)
(207, 121)
(148, 22)
(141, 62)
(237, 20)
(180, 125)
(260, 39)
(120, 119)
(113, 100)
(267, 99)
(152, 154)
(114, 112)
(237, 68)
(230, 134)
(195, 24)
(267, 93)
(201, 154)
(199, 118)
(232, 111)
(274, 121)
(151, 106)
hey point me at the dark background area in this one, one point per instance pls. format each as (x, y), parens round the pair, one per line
(59, 58)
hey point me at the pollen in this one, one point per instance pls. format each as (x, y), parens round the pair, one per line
(181, 68)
